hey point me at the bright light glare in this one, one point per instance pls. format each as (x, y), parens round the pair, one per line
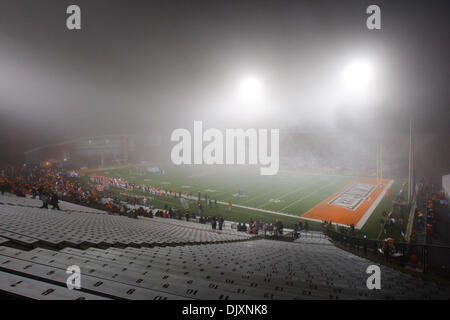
(358, 74)
(249, 98)
(250, 89)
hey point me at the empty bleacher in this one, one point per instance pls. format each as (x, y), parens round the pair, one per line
(24, 223)
(122, 258)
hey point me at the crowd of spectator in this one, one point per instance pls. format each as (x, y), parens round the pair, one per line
(430, 205)
(51, 185)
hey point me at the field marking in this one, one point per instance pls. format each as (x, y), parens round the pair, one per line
(236, 186)
(374, 205)
(308, 195)
(271, 191)
(194, 198)
(292, 192)
(256, 197)
(325, 211)
(321, 221)
(221, 193)
(262, 210)
(259, 195)
(251, 208)
(164, 198)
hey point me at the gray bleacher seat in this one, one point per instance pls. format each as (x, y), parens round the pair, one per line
(82, 227)
(144, 258)
(18, 286)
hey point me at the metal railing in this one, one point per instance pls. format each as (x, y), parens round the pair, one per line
(427, 259)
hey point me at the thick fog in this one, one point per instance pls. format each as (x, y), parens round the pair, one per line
(148, 67)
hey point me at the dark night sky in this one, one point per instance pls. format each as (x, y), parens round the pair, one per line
(149, 66)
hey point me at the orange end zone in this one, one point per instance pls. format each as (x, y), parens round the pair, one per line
(350, 205)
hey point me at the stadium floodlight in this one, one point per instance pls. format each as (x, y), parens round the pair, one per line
(356, 84)
(249, 100)
(250, 89)
(357, 75)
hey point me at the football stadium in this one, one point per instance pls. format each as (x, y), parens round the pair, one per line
(288, 196)
(224, 150)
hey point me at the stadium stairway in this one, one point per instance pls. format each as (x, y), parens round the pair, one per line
(153, 261)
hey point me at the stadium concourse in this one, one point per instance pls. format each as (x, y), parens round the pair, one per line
(158, 258)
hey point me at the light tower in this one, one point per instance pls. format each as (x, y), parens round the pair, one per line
(379, 163)
(411, 164)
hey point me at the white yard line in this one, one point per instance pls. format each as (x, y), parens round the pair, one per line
(290, 193)
(253, 209)
(374, 205)
(308, 195)
(360, 224)
(320, 221)
(256, 197)
(262, 210)
(379, 234)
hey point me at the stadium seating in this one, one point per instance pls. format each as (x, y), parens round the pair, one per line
(23, 222)
(158, 258)
(20, 287)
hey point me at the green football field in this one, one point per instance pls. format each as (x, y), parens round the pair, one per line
(292, 192)
(288, 192)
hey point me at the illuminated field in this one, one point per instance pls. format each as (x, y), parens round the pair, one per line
(290, 192)
(287, 196)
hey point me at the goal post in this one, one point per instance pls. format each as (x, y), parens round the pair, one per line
(379, 163)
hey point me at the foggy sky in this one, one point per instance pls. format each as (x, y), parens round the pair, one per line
(147, 67)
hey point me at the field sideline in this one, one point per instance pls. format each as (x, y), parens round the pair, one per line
(287, 196)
